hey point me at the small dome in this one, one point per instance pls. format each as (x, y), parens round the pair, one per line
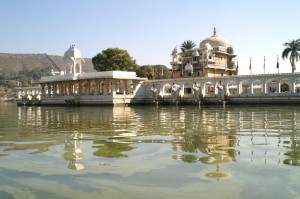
(207, 46)
(195, 53)
(188, 67)
(215, 41)
(72, 53)
(177, 50)
(230, 50)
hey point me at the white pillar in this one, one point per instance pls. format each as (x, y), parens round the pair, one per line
(240, 88)
(265, 88)
(279, 87)
(203, 90)
(49, 90)
(215, 89)
(293, 87)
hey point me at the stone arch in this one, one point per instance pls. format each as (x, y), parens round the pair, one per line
(167, 88)
(296, 83)
(285, 85)
(232, 87)
(209, 88)
(245, 87)
(258, 86)
(272, 86)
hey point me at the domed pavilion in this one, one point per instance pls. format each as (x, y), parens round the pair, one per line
(72, 59)
(214, 57)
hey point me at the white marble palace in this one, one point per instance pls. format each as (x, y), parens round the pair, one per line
(214, 57)
(73, 86)
(204, 75)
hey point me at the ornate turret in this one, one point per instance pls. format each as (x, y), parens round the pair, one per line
(72, 59)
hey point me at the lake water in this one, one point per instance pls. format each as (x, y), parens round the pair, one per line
(149, 152)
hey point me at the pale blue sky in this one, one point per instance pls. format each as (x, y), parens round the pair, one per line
(149, 30)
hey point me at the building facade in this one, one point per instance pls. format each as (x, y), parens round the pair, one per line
(214, 57)
(213, 83)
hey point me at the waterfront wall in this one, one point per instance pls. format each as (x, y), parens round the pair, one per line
(243, 89)
(268, 88)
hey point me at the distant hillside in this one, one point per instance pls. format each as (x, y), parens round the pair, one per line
(13, 63)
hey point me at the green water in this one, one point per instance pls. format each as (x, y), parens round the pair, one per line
(149, 152)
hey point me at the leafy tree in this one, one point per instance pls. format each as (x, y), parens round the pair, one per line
(114, 59)
(292, 51)
(160, 71)
(187, 45)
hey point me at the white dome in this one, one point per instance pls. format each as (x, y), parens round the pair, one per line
(72, 59)
(195, 53)
(215, 41)
(72, 53)
(177, 50)
(189, 67)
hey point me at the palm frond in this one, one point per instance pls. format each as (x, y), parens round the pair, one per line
(286, 53)
(187, 45)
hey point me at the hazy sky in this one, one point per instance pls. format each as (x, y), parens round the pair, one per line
(149, 30)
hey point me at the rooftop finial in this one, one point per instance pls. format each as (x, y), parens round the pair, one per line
(215, 32)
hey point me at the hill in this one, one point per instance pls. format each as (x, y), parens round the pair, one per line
(13, 63)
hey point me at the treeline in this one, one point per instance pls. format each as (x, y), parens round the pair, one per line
(119, 59)
(24, 77)
(153, 71)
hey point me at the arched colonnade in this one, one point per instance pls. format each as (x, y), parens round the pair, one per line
(271, 84)
(89, 87)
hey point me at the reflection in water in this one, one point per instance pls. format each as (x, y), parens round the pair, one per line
(209, 135)
(73, 150)
(111, 149)
(133, 152)
(217, 174)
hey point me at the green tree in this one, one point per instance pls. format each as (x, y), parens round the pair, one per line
(160, 71)
(187, 45)
(292, 51)
(114, 59)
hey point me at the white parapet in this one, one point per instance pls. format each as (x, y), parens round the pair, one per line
(57, 78)
(108, 74)
(93, 75)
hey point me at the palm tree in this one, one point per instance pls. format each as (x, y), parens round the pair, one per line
(292, 51)
(187, 45)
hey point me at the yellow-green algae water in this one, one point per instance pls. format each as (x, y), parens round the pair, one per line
(149, 152)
